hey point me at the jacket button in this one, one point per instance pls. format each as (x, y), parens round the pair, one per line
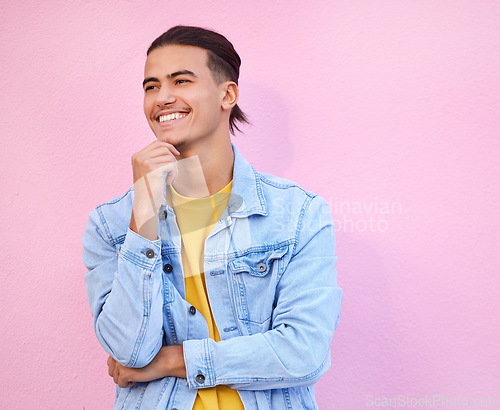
(200, 379)
(192, 310)
(167, 268)
(150, 253)
(261, 267)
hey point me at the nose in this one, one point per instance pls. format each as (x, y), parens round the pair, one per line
(164, 97)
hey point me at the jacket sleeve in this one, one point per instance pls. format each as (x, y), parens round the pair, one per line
(124, 291)
(296, 350)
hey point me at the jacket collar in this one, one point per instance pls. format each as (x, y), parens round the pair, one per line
(246, 197)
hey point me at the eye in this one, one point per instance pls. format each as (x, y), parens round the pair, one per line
(150, 87)
(181, 81)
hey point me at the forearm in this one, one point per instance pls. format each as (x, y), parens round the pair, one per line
(124, 287)
(169, 362)
(295, 352)
(144, 218)
(147, 228)
(291, 354)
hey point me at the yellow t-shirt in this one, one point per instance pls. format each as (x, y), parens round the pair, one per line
(196, 217)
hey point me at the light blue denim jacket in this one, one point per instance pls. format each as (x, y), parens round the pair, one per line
(271, 281)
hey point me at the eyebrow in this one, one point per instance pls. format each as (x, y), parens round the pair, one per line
(169, 76)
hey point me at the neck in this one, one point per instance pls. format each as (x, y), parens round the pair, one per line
(205, 169)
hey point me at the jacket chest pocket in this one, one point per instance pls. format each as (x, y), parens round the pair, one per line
(254, 278)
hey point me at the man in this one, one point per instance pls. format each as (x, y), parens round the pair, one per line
(211, 285)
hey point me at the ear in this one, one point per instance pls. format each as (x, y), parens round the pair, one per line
(230, 96)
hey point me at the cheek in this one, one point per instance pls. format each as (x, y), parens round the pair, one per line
(209, 106)
(148, 105)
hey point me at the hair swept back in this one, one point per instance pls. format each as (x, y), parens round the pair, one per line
(223, 60)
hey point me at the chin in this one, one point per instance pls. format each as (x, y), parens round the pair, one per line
(171, 139)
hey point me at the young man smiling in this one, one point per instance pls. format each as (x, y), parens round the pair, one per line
(212, 286)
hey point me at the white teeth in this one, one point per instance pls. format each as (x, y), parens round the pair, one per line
(170, 117)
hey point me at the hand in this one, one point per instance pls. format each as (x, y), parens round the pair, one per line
(168, 362)
(120, 374)
(157, 155)
(149, 165)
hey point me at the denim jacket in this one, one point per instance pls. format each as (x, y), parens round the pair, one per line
(271, 281)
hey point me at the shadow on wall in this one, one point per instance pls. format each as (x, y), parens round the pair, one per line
(367, 330)
(266, 142)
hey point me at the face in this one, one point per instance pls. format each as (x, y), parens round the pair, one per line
(182, 102)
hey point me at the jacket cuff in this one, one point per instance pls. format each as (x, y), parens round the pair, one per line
(199, 364)
(140, 251)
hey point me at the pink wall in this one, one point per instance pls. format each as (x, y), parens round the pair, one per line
(389, 109)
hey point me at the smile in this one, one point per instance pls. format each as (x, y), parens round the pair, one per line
(171, 117)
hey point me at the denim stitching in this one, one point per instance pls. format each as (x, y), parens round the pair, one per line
(286, 398)
(145, 320)
(307, 202)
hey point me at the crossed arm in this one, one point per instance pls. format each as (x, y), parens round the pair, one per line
(294, 352)
(168, 362)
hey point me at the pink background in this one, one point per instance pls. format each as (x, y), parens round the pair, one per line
(388, 109)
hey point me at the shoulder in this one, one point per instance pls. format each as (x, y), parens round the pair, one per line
(119, 201)
(291, 206)
(113, 216)
(297, 212)
(280, 189)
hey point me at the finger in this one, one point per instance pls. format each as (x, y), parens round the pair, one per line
(144, 158)
(111, 365)
(124, 382)
(159, 152)
(153, 165)
(171, 176)
(116, 375)
(170, 147)
(171, 171)
(170, 179)
(162, 145)
(156, 176)
(164, 160)
(161, 169)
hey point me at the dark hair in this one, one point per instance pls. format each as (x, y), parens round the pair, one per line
(223, 60)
